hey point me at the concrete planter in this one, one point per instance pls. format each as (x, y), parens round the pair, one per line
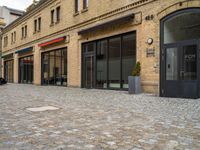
(134, 83)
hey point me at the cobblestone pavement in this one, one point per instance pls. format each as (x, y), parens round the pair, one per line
(95, 119)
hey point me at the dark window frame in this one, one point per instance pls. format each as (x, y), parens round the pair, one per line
(39, 24)
(85, 4)
(58, 14)
(94, 54)
(62, 59)
(15, 36)
(76, 6)
(25, 31)
(52, 16)
(6, 69)
(12, 37)
(35, 26)
(22, 29)
(19, 68)
(164, 46)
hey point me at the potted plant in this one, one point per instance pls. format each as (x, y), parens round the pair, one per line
(134, 81)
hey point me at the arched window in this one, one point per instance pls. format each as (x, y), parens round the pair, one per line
(182, 26)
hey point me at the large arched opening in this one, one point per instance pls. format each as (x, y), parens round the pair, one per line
(180, 56)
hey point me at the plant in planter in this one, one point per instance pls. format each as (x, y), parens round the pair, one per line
(134, 81)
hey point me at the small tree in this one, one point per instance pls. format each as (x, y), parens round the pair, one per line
(136, 71)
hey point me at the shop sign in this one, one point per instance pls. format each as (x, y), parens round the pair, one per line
(150, 52)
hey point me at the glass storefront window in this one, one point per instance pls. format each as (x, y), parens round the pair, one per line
(128, 57)
(114, 62)
(64, 67)
(51, 68)
(89, 47)
(8, 71)
(45, 68)
(114, 59)
(26, 69)
(57, 68)
(101, 58)
(54, 65)
(189, 63)
(172, 64)
(182, 27)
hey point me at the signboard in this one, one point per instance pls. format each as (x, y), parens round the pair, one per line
(150, 52)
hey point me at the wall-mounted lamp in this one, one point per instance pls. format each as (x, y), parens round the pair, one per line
(149, 41)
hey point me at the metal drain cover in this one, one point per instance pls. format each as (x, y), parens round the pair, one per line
(44, 108)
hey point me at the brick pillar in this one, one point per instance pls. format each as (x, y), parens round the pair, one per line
(16, 68)
(37, 66)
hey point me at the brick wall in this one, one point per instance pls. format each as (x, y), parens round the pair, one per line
(144, 24)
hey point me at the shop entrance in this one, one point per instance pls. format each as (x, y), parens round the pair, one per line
(8, 71)
(26, 70)
(180, 54)
(54, 67)
(107, 63)
(89, 71)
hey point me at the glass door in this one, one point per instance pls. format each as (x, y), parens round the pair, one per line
(8, 71)
(54, 67)
(188, 71)
(89, 71)
(181, 71)
(171, 71)
(26, 69)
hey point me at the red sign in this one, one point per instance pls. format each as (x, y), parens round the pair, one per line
(51, 42)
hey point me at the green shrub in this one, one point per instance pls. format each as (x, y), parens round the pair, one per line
(136, 71)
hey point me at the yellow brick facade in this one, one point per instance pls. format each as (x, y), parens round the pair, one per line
(98, 12)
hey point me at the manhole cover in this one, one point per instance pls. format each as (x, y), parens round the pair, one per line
(44, 108)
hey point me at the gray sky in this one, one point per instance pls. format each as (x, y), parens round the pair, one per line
(17, 4)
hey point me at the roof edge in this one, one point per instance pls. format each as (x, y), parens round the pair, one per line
(40, 4)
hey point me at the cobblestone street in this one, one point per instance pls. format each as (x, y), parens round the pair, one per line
(95, 119)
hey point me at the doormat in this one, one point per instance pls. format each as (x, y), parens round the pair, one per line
(40, 109)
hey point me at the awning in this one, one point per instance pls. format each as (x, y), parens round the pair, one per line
(52, 41)
(24, 50)
(8, 56)
(117, 21)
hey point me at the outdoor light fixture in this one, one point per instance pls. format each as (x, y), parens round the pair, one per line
(149, 41)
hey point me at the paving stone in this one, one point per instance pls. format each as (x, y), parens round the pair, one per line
(95, 119)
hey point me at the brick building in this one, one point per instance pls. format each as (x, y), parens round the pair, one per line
(7, 15)
(90, 44)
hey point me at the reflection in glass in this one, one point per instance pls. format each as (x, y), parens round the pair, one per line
(182, 27)
(55, 67)
(46, 68)
(189, 63)
(64, 67)
(89, 72)
(89, 47)
(26, 69)
(128, 57)
(101, 58)
(51, 68)
(114, 62)
(8, 74)
(172, 64)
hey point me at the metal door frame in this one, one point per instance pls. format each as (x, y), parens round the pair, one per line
(164, 46)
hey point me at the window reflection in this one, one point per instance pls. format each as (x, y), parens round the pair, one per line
(101, 58)
(172, 64)
(26, 69)
(128, 57)
(182, 27)
(8, 74)
(114, 63)
(114, 60)
(55, 67)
